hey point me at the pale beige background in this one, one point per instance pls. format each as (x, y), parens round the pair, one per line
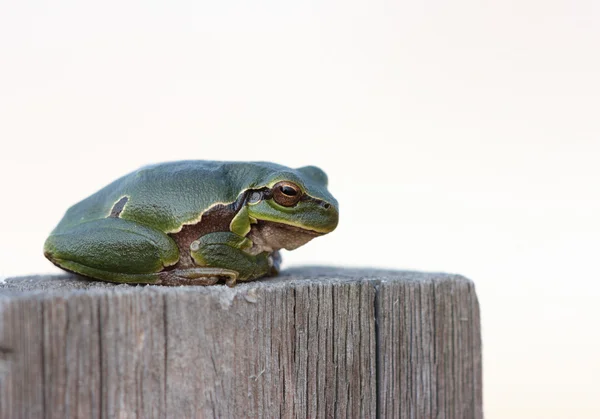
(459, 136)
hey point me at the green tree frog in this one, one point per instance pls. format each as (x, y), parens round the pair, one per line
(194, 223)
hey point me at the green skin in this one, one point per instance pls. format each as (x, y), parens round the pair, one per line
(102, 239)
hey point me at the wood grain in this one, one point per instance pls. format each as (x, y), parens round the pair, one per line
(314, 342)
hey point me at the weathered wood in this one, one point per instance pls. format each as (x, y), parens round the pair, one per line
(314, 342)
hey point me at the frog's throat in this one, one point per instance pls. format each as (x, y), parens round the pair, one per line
(270, 236)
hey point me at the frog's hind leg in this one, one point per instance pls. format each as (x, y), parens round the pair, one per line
(112, 249)
(118, 250)
(191, 276)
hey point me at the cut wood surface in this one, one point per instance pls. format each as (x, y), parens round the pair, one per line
(311, 343)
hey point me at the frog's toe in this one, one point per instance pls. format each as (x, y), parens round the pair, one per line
(274, 263)
(196, 276)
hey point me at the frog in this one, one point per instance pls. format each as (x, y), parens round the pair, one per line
(194, 222)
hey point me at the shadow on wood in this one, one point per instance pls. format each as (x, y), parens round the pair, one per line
(314, 342)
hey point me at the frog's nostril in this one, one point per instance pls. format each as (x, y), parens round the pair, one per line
(325, 205)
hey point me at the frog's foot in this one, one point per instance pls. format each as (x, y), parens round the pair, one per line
(197, 276)
(274, 263)
(225, 250)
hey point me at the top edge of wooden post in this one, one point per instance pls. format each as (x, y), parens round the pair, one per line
(293, 277)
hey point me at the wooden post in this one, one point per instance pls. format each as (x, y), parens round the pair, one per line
(314, 342)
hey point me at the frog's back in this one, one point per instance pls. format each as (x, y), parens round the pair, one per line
(167, 195)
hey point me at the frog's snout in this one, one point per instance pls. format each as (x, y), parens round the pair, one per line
(330, 216)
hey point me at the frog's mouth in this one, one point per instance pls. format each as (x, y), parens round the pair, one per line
(269, 236)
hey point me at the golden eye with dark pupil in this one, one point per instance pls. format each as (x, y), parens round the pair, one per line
(286, 193)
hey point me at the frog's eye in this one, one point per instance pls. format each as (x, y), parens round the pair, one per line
(286, 193)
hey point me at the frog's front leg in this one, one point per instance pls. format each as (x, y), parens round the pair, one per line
(227, 250)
